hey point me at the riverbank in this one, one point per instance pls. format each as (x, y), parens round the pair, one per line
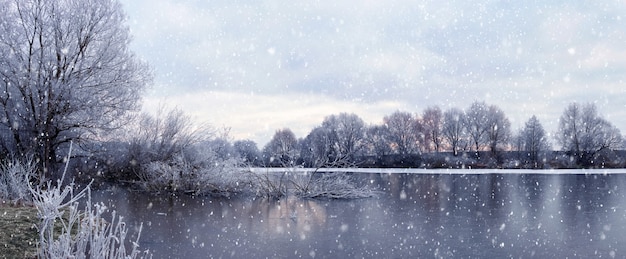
(18, 231)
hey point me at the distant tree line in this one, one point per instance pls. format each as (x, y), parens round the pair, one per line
(479, 136)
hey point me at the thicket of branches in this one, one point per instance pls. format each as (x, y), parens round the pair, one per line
(168, 152)
(309, 184)
(66, 231)
(15, 177)
(336, 185)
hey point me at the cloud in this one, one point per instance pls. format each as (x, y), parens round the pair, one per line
(257, 116)
(274, 59)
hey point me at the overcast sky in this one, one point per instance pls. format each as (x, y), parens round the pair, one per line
(259, 66)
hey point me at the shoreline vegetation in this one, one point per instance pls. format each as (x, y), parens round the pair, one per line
(30, 208)
(46, 219)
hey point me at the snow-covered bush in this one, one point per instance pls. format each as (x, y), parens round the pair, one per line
(198, 170)
(169, 153)
(15, 175)
(333, 185)
(271, 185)
(336, 185)
(276, 184)
(163, 137)
(67, 232)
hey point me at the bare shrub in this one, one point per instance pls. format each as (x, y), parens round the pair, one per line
(14, 178)
(276, 184)
(271, 185)
(336, 185)
(163, 137)
(198, 171)
(82, 234)
(172, 154)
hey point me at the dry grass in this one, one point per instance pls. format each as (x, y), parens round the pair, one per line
(18, 232)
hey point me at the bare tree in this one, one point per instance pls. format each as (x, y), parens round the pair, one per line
(476, 124)
(164, 136)
(282, 150)
(432, 123)
(584, 133)
(453, 128)
(404, 130)
(66, 73)
(346, 132)
(247, 150)
(498, 128)
(532, 140)
(222, 148)
(377, 140)
(316, 148)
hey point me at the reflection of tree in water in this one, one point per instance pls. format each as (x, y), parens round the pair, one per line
(531, 193)
(479, 195)
(289, 216)
(174, 214)
(417, 216)
(586, 196)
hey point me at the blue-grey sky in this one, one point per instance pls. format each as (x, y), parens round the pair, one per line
(258, 66)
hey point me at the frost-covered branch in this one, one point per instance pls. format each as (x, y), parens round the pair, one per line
(330, 185)
(67, 232)
(14, 178)
(270, 185)
(200, 172)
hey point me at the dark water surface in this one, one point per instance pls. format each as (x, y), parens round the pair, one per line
(415, 216)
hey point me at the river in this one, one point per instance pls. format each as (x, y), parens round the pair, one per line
(430, 214)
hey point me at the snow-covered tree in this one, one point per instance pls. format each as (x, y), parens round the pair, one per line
(346, 132)
(247, 150)
(282, 150)
(316, 148)
(498, 128)
(477, 123)
(584, 133)
(532, 140)
(164, 136)
(432, 123)
(453, 128)
(66, 73)
(377, 140)
(404, 132)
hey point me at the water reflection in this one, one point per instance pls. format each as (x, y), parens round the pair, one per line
(417, 215)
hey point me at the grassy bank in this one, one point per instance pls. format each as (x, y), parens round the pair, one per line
(18, 234)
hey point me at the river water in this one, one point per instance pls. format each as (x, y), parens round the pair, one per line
(581, 214)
